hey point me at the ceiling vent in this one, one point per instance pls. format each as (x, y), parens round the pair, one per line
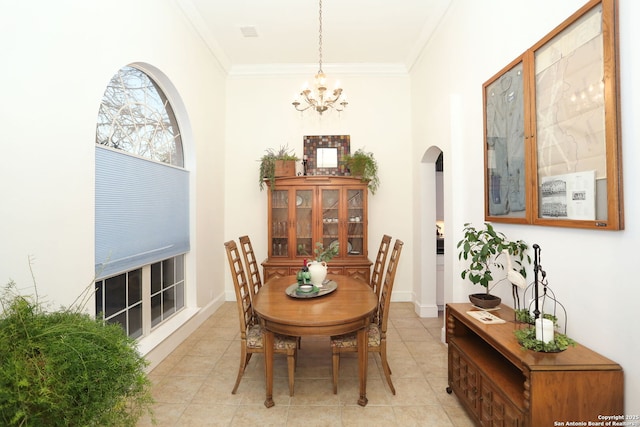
(249, 31)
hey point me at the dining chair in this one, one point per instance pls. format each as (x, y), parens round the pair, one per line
(251, 340)
(253, 271)
(376, 330)
(378, 266)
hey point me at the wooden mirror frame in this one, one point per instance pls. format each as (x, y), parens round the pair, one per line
(342, 143)
(532, 176)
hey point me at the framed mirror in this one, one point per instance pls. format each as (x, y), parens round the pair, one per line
(324, 154)
(552, 128)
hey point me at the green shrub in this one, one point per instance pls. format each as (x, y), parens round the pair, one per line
(65, 368)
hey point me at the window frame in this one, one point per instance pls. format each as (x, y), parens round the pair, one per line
(168, 171)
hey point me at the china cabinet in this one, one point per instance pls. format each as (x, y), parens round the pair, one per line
(305, 210)
(502, 384)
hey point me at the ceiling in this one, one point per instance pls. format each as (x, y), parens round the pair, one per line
(355, 32)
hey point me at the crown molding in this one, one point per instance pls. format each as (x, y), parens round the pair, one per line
(283, 70)
(194, 18)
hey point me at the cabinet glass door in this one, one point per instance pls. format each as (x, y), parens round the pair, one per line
(279, 223)
(330, 217)
(304, 223)
(355, 223)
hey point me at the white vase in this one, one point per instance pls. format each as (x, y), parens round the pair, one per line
(318, 271)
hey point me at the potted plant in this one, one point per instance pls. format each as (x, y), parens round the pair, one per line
(363, 165)
(318, 268)
(64, 367)
(483, 248)
(529, 340)
(276, 163)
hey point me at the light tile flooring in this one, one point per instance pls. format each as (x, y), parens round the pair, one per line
(192, 386)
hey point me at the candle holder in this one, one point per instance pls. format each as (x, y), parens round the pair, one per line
(544, 314)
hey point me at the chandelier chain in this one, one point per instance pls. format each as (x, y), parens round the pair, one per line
(320, 38)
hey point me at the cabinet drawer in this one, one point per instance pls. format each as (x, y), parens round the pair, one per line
(463, 379)
(332, 269)
(496, 410)
(273, 272)
(362, 273)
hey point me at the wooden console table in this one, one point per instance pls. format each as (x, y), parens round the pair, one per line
(502, 384)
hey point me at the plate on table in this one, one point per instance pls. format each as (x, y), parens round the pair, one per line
(337, 243)
(315, 291)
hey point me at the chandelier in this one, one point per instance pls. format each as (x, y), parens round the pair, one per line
(318, 98)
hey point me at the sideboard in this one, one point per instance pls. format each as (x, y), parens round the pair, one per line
(501, 384)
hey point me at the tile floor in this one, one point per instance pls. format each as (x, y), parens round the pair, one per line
(192, 386)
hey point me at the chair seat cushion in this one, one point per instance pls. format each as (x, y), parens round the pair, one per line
(351, 340)
(280, 342)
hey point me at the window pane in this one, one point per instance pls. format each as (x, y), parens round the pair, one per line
(135, 287)
(115, 294)
(99, 297)
(179, 268)
(135, 321)
(135, 116)
(179, 296)
(156, 310)
(168, 302)
(167, 273)
(120, 319)
(156, 278)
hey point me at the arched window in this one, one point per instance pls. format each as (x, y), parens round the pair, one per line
(135, 116)
(142, 216)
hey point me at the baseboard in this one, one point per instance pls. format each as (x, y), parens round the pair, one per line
(428, 310)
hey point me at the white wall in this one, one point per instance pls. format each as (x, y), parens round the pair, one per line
(57, 58)
(591, 271)
(260, 116)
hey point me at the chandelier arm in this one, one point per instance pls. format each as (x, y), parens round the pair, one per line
(297, 105)
(310, 100)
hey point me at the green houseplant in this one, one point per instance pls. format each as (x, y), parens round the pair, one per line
(327, 254)
(363, 164)
(65, 368)
(483, 248)
(527, 338)
(272, 161)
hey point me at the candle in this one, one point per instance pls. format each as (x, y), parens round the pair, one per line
(544, 330)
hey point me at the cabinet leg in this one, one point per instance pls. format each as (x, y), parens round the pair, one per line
(448, 389)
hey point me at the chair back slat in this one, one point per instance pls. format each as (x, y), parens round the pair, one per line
(253, 271)
(378, 266)
(387, 286)
(241, 286)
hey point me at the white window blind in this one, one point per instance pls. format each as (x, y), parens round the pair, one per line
(142, 212)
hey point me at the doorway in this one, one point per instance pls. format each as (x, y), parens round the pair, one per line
(430, 296)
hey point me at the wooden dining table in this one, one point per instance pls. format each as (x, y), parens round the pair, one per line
(346, 309)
